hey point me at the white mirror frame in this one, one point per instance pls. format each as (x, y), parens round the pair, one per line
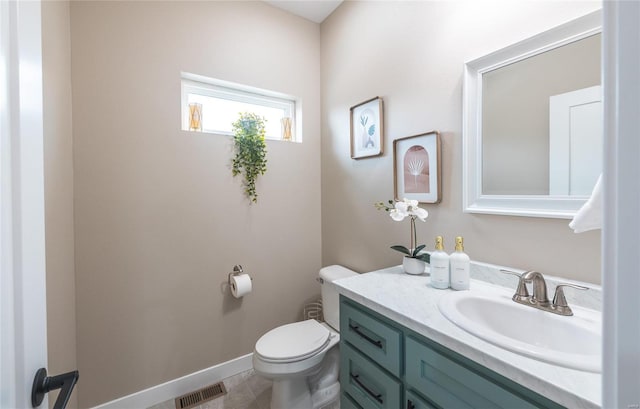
(515, 205)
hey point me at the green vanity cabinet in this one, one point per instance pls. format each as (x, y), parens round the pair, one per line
(414, 401)
(368, 384)
(384, 365)
(347, 403)
(452, 381)
(378, 340)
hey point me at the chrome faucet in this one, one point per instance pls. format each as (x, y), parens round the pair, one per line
(538, 298)
(538, 289)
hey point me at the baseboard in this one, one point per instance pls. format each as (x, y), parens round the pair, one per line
(180, 386)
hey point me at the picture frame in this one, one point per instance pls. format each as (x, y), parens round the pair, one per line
(417, 173)
(367, 124)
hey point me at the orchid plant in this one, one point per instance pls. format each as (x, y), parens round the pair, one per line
(399, 210)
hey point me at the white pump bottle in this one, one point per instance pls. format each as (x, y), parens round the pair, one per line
(460, 267)
(439, 262)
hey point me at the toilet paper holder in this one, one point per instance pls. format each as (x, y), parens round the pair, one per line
(237, 270)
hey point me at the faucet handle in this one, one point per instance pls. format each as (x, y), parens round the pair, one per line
(521, 292)
(560, 302)
(513, 273)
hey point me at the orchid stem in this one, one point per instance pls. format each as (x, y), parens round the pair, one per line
(413, 234)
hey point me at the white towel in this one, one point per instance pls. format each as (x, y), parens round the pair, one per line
(589, 217)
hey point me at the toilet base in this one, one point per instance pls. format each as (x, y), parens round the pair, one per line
(326, 396)
(291, 393)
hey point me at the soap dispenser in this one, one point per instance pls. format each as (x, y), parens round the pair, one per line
(460, 267)
(439, 263)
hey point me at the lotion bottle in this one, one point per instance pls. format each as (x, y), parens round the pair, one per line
(460, 266)
(439, 263)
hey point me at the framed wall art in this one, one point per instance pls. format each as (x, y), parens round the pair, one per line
(416, 168)
(366, 129)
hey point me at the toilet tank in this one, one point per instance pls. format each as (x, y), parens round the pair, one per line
(330, 297)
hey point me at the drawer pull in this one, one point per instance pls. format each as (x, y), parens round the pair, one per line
(376, 396)
(356, 329)
(410, 404)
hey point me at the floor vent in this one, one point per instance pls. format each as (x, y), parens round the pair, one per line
(200, 396)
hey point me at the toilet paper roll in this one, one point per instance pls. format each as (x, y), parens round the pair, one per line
(240, 285)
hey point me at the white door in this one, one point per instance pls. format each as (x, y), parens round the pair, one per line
(575, 141)
(23, 336)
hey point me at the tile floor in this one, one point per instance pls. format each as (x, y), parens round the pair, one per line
(245, 390)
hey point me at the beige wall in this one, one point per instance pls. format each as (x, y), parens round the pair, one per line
(58, 178)
(515, 115)
(159, 219)
(412, 54)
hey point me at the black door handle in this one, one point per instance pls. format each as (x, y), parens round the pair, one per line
(43, 384)
(357, 330)
(376, 396)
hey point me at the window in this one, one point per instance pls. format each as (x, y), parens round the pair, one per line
(216, 104)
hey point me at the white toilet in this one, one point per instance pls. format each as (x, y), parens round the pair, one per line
(302, 359)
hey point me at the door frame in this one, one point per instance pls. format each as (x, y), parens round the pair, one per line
(23, 339)
(621, 228)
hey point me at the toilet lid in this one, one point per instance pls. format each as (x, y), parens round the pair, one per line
(292, 342)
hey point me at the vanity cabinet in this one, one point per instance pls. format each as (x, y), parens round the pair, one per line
(384, 365)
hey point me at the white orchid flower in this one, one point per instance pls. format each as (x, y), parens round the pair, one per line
(420, 213)
(398, 215)
(399, 212)
(408, 208)
(410, 203)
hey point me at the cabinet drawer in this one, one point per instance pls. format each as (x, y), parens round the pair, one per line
(451, 385)
(368, 385)
(414, 401)
(377, 340)
(347, 403)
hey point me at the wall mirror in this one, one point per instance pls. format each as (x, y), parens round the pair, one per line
(532, 131)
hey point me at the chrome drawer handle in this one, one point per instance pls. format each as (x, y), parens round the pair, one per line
(356, 329)
(376, 396)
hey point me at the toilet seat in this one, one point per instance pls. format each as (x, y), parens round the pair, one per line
(293, 342)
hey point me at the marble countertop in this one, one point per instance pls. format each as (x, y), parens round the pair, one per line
(412, 302)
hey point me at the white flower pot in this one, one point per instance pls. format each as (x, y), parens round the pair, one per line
(413, 265)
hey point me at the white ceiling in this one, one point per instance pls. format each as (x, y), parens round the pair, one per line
(314, 10)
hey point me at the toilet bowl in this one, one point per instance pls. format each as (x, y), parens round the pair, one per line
(302, 358)
(291, 354)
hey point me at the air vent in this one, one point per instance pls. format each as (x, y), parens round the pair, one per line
(200, 396)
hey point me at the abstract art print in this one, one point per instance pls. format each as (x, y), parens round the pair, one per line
(366, 129)
(416, 168)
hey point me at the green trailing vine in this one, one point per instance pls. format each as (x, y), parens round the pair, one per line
(250, 151)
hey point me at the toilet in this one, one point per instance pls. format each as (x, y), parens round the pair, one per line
(302, 359)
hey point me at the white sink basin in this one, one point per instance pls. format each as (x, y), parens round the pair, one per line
(490, 314)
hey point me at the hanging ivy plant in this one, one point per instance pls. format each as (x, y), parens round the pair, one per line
(250, 151)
